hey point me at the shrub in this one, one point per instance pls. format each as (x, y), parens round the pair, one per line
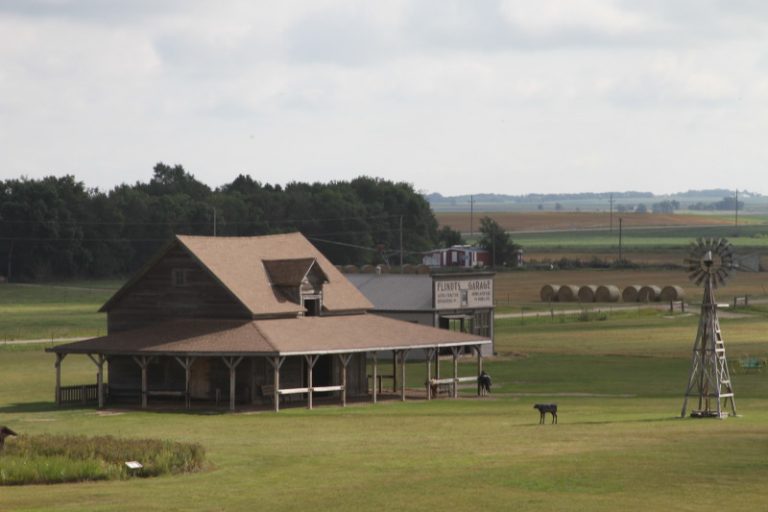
(57, 459)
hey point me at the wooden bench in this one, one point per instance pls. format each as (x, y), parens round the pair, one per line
(166, 392)
(268, 393)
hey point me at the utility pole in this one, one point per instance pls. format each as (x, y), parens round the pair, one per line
(10, 258)
(471, 215)
(621, 256)
(737, 208)
(611, 215)
(401, 249)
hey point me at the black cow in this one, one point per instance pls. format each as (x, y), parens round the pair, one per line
(5, 432)
(485, 383)
(544, 409)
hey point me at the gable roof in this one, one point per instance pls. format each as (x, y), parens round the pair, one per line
(237, 263)
(291, 272)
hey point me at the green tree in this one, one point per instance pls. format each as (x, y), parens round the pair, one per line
(496, 241)
(449, 237)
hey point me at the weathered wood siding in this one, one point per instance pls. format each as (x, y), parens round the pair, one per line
(154, 297)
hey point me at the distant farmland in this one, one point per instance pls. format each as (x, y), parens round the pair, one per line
(647, 238)
(544, 221)
(539, 221)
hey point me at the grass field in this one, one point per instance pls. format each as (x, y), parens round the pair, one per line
(619, 444)
(61, 310)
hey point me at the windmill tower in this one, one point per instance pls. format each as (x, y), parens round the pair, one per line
(709, 381)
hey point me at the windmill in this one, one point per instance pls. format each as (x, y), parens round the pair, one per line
(709, 262)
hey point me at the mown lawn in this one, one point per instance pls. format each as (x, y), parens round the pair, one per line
(62, 310)
(619, 444)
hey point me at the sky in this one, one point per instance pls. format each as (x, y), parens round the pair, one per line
(455, 97)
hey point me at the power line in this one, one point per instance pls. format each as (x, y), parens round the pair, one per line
(201, 223)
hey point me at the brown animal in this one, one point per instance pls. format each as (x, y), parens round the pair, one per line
(544, 409)
(5, 432)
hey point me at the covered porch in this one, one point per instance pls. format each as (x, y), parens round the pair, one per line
(188, 362)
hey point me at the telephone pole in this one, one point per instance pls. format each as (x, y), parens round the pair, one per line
(471, 215)
(621, 256)
(737, 208)
(610, 215)
(401, 244)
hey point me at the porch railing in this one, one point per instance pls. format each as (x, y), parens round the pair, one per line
(80, 394)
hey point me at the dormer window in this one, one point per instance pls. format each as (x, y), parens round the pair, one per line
(180, 277)
(299, 281)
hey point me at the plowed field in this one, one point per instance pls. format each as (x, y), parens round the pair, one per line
(544, 221)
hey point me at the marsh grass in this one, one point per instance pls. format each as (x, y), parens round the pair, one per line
(47, 459)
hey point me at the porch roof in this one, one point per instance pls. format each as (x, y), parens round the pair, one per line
(288, 336)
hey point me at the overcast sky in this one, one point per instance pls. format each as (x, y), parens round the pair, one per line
(452, 96)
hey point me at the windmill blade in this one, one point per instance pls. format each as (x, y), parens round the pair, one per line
(700, 279)
(721, 244)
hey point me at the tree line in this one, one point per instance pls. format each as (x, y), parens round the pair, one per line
(57, 227)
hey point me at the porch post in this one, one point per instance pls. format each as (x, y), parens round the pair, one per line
(143, 361)
(455, 353)
(478, 348)
(311, 360)
(276, 363)
(437, 363)
(186, 363)
(344, 360)
(59, 358)
(375, 376)
(232, 363)
(394, 371)
(428, 356)
(99, 377)
(403, 355)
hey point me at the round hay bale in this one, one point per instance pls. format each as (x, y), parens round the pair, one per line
(631, 293)
(350, 269)
(422, 269)
(607, 293)
(671, 293)
(548, 292)
(587, 293)
(568, 293)
(408, 269)
(649, 293)
(367, 269)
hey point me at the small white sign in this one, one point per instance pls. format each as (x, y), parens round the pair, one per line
(132, 464)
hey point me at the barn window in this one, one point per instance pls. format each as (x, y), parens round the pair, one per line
(179, 277)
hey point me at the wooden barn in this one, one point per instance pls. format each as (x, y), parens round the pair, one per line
(464, 256)
(252, 321)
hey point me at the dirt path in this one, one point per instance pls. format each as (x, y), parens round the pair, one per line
(46, 340)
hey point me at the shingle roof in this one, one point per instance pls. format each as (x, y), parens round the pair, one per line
(238, 264)
(288, 336)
